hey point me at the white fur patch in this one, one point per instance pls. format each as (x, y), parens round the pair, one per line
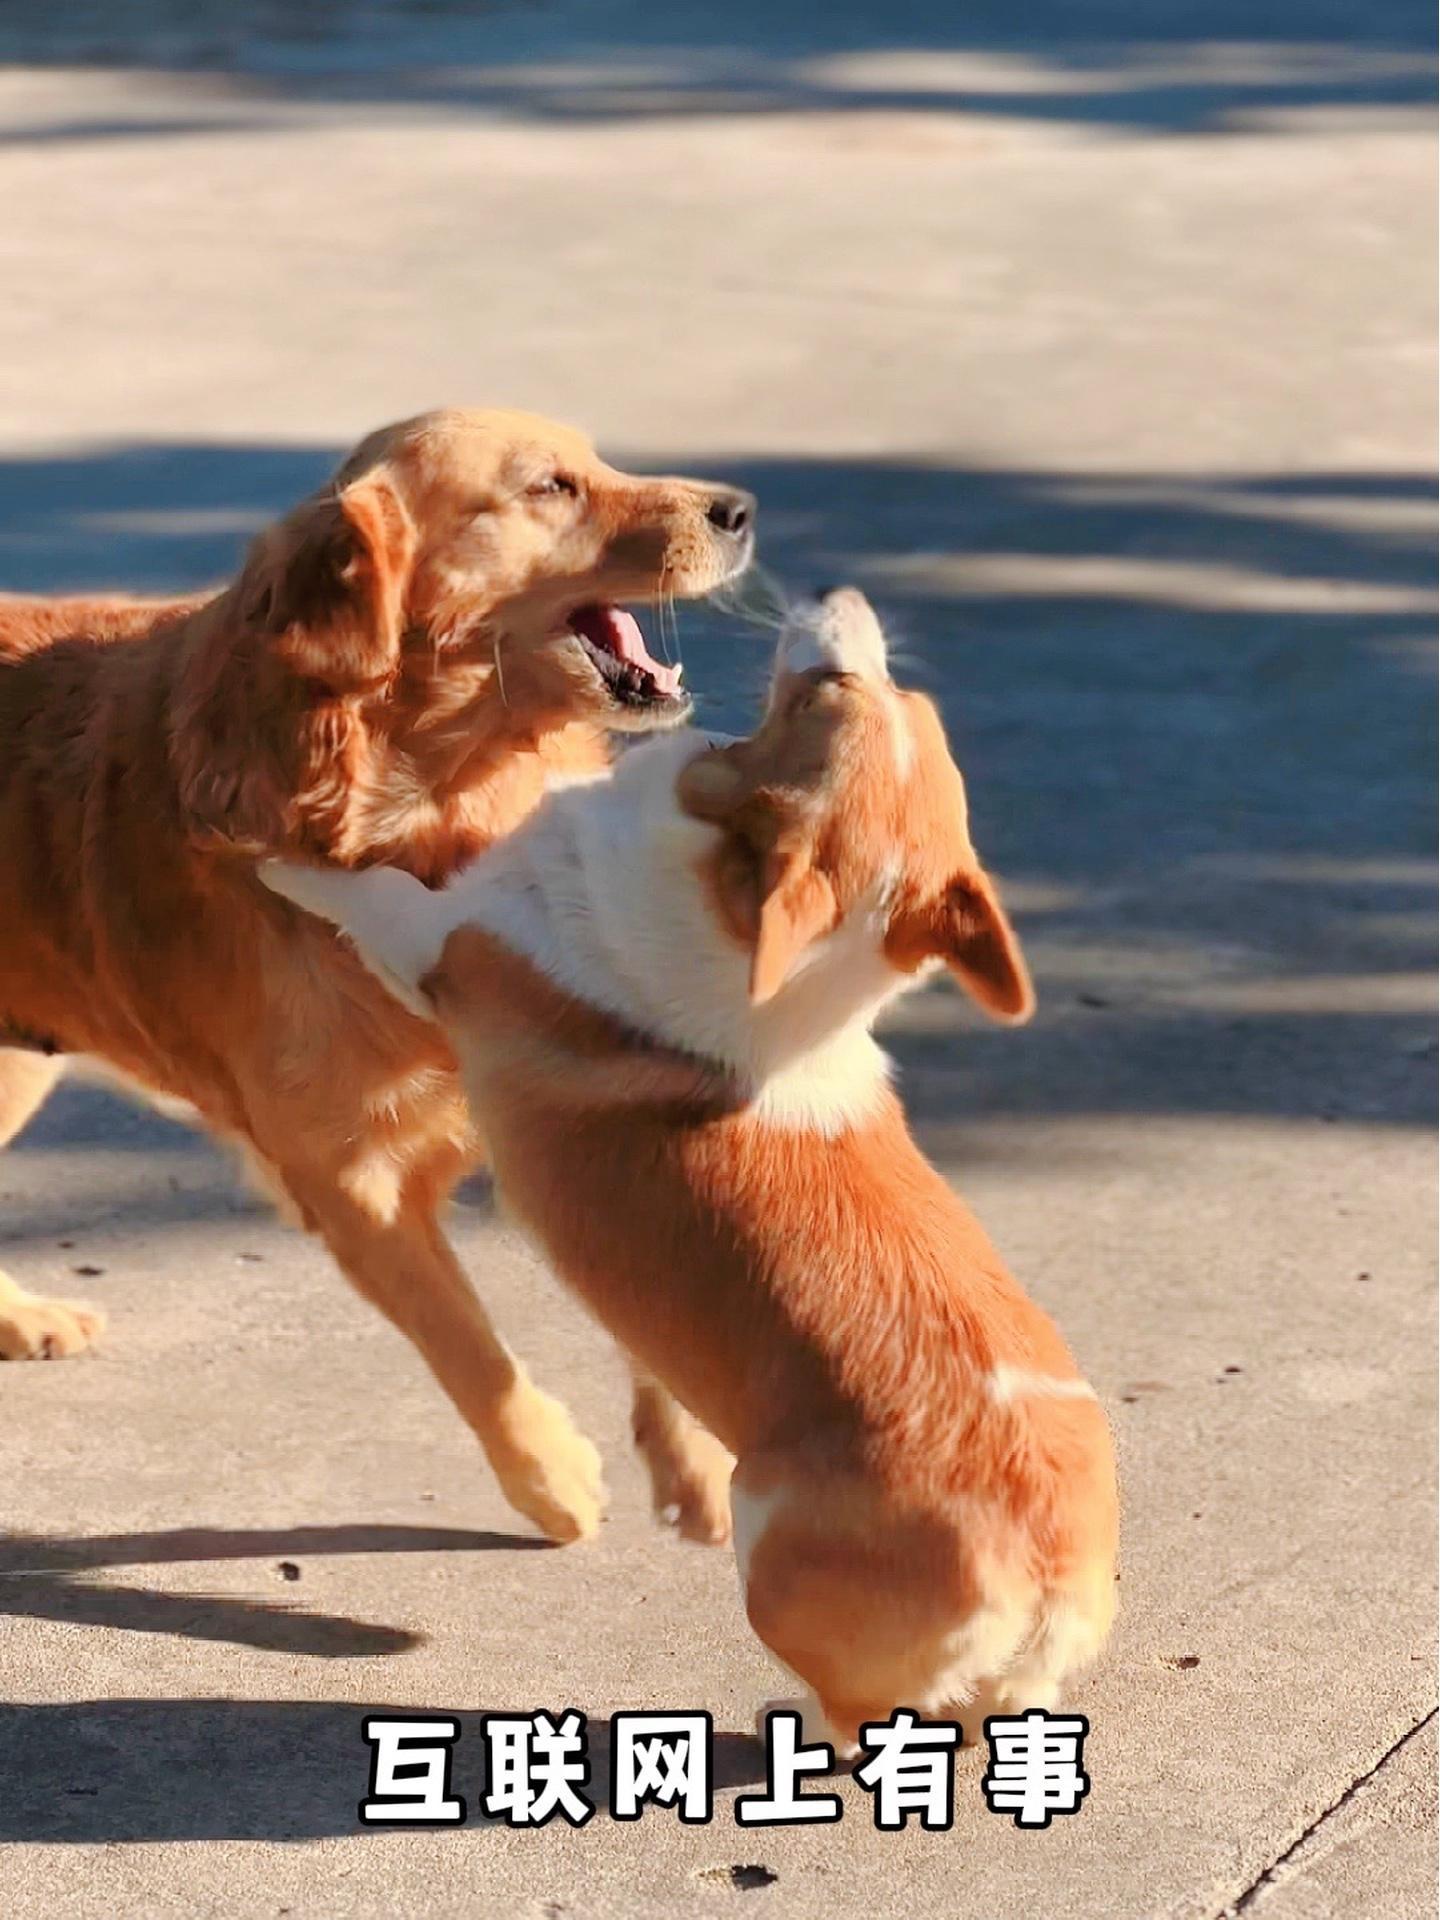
(374, 1183)
(1008, 1384)
(1062, 1638)
(903, 736)
(985, 1645)
(750, 1514)
(828, 1092)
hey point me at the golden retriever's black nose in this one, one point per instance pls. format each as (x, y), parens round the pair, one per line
(731, 511)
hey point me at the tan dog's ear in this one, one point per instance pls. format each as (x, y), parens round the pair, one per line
(969, 930)
(712, 785)
(796, 905)
(769, 890)
(331, 579)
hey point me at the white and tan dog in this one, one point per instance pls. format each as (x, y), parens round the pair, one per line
(661, 990)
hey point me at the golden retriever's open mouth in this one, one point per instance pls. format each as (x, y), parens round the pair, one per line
(615, 647)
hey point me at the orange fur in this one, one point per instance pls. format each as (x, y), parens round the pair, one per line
(388, 679)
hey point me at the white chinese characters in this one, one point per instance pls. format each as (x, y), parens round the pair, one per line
(539, 1767)
(1035, 1766)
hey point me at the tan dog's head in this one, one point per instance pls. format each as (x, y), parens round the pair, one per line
(847, 800)
(464, 553)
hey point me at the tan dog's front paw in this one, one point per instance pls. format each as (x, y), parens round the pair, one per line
(34, 1328)
(690, 1485)
(547, 1469)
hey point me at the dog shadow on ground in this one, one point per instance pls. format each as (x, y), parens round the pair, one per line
(128, 1770)
(43, 1578)
(112, 1770)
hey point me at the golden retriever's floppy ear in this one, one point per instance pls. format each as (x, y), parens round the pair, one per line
(969, 930)
(331, 580)
(769, 892)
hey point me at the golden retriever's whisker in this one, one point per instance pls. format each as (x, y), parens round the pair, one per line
(668, 619)
(757, 597)
(499, 670)
(662, 634)
(674, 613)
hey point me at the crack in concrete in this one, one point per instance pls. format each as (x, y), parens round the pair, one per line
(1269, 1875)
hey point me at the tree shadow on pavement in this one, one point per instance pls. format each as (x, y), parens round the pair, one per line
(1195, 713)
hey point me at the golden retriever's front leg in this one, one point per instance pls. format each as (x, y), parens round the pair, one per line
(25, 1079)
(689, 1469)
(406, 1267)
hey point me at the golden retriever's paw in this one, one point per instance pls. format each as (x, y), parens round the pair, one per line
(690, 1486)
(34, 1328)
(547, 1469)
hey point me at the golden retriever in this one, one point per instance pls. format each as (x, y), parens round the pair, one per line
(402, 664)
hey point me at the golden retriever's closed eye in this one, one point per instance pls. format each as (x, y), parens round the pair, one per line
(401, 664)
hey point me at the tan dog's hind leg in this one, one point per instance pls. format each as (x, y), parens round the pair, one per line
(870, 1607)
(405, 1266)
(689, 1469)
(1069, 1630)
(32, 1327)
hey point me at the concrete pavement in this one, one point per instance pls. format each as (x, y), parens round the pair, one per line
(1105, 362)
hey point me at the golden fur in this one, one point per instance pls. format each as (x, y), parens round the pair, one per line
(390, 678)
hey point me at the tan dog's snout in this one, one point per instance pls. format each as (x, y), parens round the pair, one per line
(837, 632)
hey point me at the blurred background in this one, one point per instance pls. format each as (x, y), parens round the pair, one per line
(1096, 342)
(1097, 346)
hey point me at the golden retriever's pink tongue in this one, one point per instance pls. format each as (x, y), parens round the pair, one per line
(619, 633)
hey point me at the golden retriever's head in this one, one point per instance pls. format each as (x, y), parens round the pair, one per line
(466, 556)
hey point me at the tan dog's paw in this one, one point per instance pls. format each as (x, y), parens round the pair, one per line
(690, 1485)
(547, 1469)
(34, 1328)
